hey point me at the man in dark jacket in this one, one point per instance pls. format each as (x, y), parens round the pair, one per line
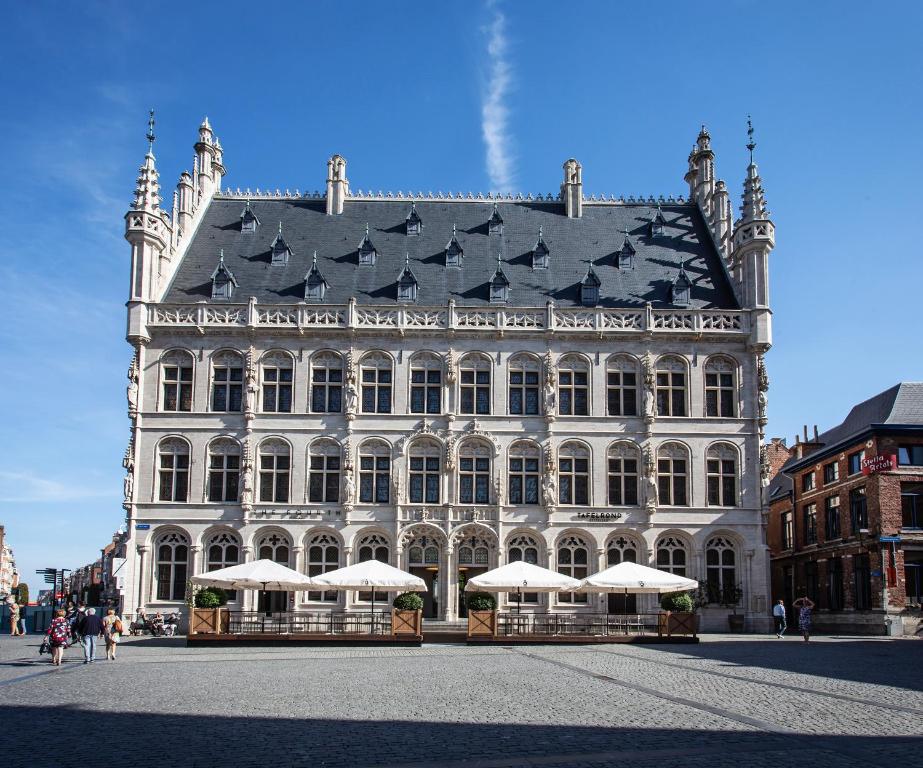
(90, 629)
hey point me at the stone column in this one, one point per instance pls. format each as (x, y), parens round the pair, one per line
(247, 595)
(299, 556)
(142, 577)
(601, 566)
(451, 603)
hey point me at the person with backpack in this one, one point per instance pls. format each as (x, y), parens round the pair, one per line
(113, 632)
(14, 617)
(59, 633)
(89, 629)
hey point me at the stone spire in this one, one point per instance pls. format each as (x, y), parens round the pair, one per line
(754, 202)
(147, 186)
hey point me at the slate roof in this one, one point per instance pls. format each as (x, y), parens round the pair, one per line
(598, 235)
(781, 485)
(901, 405)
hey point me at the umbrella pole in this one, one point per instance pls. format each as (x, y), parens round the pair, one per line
(519, 604)
(373, 611)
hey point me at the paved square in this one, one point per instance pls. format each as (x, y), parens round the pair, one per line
(725, 702)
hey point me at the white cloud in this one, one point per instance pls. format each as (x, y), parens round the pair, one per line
(27, 488)
(494, 109)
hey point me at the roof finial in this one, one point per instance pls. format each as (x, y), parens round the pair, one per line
(366, 230)
(751, 144)
(540, 229)
(454, 229)
(499, 267)
(221, 255)
(406, 260)
(314, 262)
(150, 132)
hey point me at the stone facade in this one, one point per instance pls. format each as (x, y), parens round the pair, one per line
(445, 439)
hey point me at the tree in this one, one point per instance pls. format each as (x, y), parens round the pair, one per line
(23, 594)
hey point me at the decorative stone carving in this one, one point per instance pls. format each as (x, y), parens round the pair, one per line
(352, 397)
(252, 385)
(474, 429)
(349, 486)
(451, 366)
(650, 380)
(764, 466)
(650, 479)
(549, 479)
(246, 481)
(762, 401)
(128, 484)
(131, 391)
(762, 378)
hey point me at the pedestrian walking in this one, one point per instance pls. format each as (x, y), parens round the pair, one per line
(59, 633)
(804, 605)
(113, 632)
(75, 620)
(14, 617)
(90, 629)
(778, 613)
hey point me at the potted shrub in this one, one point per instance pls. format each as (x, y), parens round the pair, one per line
(730, 597)
(206, 613)
(679, 617)
(407, 615)
(482, 614)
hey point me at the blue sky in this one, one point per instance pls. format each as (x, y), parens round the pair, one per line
(460, 95)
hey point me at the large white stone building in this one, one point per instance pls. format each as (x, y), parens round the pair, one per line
(447, 382)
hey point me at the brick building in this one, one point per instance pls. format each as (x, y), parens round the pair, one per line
(846, 518)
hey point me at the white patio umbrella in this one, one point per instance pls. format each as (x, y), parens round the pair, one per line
(633, 579)
(519, 576)
(370, 574)
(257, 574)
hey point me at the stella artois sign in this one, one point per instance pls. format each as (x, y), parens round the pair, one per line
(880, 463)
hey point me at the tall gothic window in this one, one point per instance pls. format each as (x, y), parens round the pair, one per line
(424, 472)
(721, 475)
(474, 473)
(673, 475)
(623, 460)
(573, 386)
(719, 388)
(323, 556)
(720, 567)
(524, 375)
(173, 470)
(223, 552)
(622, 386)
(176, 376)
(172, 566)
(671, 387)
(275, 547)
(523, 548)
(573, 561)
(278, 376)
(377, 379)
(324, 472)
(223, 470)
(275, 470)
(573, 474)
(227, 382)
(374, 472)
(621, 550)
(474, 384)
(524, 473)
(326, 383)
(425, 383)
(671, 556)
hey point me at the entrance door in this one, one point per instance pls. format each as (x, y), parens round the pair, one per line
(423, 560)
(465, 573)
(621, 550)
(272, 602)
(430, 597)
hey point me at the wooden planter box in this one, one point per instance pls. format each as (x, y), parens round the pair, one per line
(406, 623)
(482, 623)
(208, 621)
(677, 623)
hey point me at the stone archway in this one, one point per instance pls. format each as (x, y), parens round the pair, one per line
(473, 552)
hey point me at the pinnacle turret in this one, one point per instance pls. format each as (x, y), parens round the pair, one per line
(754, 201)
(147, 185)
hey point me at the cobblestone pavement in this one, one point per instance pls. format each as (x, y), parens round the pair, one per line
(725, 702)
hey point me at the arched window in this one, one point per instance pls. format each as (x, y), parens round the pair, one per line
(473, 550)
(172, 565)
(573, 474)
(375, 472)
(227, 382)
(525, 477)
(424, 470)
(474, 384)
(523, 548)
(377, 379)
(173, 469)
(223, 552)
(223, 470)
(425, 383)
(673, 475)
(524, 376)
(621, 550)
(720, 570)
(573, 561)
(326, 383)
(719, 388)
(275, 470)
(671, 556)
(324, 472)
(323, 556)
(573, 386)
(474, 473)
(623, 461)
(423, 551)
(671, 387)
(176, 377)
(622, 386)
(372, 546)
(275, 547)
(721, 475)
(278, 376)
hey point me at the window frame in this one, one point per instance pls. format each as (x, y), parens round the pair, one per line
(426, 364)
(526, 367)
(668, 455)
(666, 389)
(428, 453)
(277, 364)
(376, 383)
(574, 399)
(719, 478)
(725, 394)
(317, 566)
(324, 472)
(577, 476)
(621, 366)
(327, 364)
(479, 457)
(179, 468)
(572, 544)
(280, 477)
(475, 364)
(232, 388)
(619, 478)
(374, 477)
(229, 452)
(176, 567)
(183, 384)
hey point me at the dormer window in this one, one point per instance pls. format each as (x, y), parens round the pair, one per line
(681, 288)
(454, 253)
(407, 283)
(495, 223)
(414, 222)
(656, 224)
(280, 250)
(499, 286)
(624, 259)
(540, 253)
(223, 282)
(315, 287)
(367, 253)
(248, 220)
(589, 288)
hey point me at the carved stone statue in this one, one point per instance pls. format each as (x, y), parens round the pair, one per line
(246, 484)
(349, 485)
(131, 391)
(128, 485)
(762, 377)
(250, 392)
(764, 466)
(549, 489)
(650, 479)
(352, 397)
(548, 396)
(649, 402)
